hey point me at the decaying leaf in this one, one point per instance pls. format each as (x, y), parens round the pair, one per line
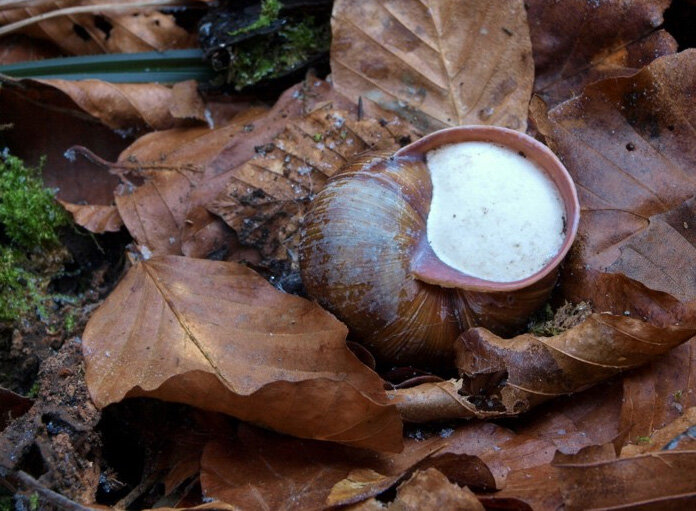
(658, 393)
(436, 63)
(263, 470)
(518, 374)
(12, 406)
(267, 196)
(19, 48)
(185, 169)
(217, 336)
(95, 218)
(577, 42)
(107, 31)
(132, 107)
(427, 489)
(628, 143)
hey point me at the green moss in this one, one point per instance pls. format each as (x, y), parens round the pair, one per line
(30, 250)
(34, 501)
(547, 322)
(29, 213)
(34, 390)
(269, 56)
(6, 503)
(270, 9)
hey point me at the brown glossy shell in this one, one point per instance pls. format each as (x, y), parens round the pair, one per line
(364, 256)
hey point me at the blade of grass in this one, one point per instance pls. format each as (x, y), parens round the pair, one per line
(163, 67)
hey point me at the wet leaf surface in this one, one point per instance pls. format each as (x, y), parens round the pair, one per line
(437, 63)
(12, 405)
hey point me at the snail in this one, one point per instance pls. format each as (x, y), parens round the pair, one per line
(365, 254)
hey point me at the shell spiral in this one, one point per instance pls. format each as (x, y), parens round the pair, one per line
(357, 245)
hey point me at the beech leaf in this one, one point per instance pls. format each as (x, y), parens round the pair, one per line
(266, 197)
(104, 31)
(263, 470)
(217, 336)
(95, 218)
(599, 40)
(436, 63)
(628, 143)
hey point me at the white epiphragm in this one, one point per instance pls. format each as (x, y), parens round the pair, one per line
(494, 215)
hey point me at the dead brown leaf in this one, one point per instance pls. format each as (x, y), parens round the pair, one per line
(12, 406)
(436, 63)
(658, 393)
(133, 107)
(577, 42)
(262, 470)
(185, 169)
(217, 336)
(266, 197)
(628, 143)
(660, 480)
(95, 218)
(518, 374)
(427, 489)
(20, 48)
(111, 31)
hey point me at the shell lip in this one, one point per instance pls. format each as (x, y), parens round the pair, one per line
(427, 267)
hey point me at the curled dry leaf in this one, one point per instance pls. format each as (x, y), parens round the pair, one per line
(95, 218)
(427, 489)
(132, 107)
(109, 31)
(599, 40)
(217, 336)
(436, 63)
(12, 406)
(519, 373)
(267, 196)
(263, 470)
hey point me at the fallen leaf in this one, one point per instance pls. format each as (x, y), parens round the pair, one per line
(12, 406)
(436, 63)
(658, 393)
(661, 480)
(427, 489)
(263, 470)
(45, 123)
(19, 48)
(524, 371)
(266, 197)
(95, 218)
(628, 143)
(133, 107)
(217, 336)
(677, 435)
(598, 40)
(190, 168)
(126, 30)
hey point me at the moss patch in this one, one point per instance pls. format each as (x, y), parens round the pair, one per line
(30, 250)
(547, 322)
(268, 56)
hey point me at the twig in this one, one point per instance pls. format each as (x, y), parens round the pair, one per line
(50, 496)
(87, 9)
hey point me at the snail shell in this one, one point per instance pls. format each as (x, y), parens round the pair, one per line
(364, 256)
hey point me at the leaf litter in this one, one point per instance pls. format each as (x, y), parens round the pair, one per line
(628, 141)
